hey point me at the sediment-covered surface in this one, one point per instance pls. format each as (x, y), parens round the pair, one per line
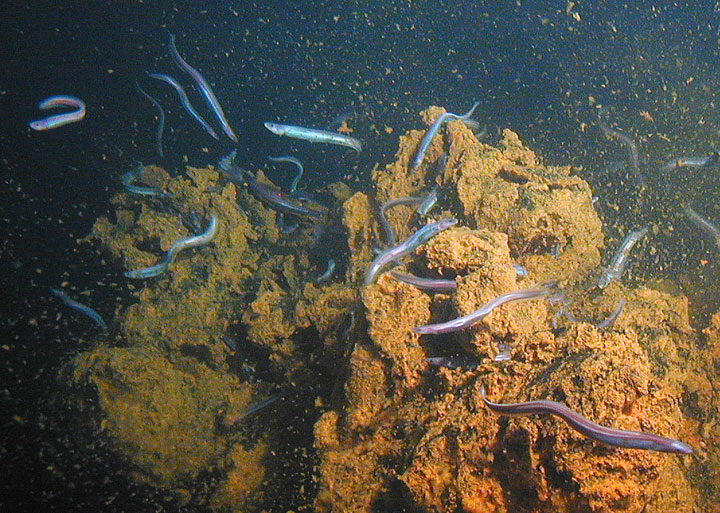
(392, 433)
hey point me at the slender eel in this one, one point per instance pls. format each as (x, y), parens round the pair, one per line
(128, 180)
(504, 352)
(389, 232)
(230, 342)
(298, 164)
(406, 247)
(314, 135)
(186, 243)
(59, 120)
(610, 321)
(253, 408)
(703, 223)
(286, 229)
(428, 202)
(186, 102)
(466, 321)
(161, 118)
(452, 362)
(617, 265)
(608, 436)
(629, 144)
(430, 134)
(520, 271)
(694, 162)
(327, 275)
(205, 89)
(83, 309)
(273, 198)
(431, 284)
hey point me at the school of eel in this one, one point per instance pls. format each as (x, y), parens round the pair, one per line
(385, 430)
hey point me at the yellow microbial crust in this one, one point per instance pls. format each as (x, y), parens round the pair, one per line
(455, 453)
(395, 433)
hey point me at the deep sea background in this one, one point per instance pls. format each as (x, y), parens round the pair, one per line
(540, 68)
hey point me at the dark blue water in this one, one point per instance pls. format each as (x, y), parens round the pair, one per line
(535, 67)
